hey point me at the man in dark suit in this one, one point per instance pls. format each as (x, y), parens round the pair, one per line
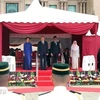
(55, 50)
(42, 52)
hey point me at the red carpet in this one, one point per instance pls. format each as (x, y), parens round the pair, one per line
(44, 89)
(43, 75)
(20, 69)
(44, 78)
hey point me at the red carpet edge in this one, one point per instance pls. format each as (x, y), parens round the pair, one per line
(44, 89)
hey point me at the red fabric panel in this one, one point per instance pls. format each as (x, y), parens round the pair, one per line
(25, 27)
(5, 42)
(71, 28)
(98, 43)
(89, 46)
(0, 41)
(50, 30)
(77, 28)
(94, 28)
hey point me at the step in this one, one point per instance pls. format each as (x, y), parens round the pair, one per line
(44, 78)
(44, 72)
(44, 83)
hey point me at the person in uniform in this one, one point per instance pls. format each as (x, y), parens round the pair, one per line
(60, 78)
(4, 93)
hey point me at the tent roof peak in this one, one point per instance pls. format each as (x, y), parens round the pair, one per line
(35, 4)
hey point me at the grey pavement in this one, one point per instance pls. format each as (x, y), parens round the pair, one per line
(90, 95)
(86, 96)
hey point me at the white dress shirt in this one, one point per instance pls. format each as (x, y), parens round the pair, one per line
(59, 93)
(7, 95)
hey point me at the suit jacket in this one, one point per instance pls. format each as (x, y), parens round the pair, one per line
(55, 48)
(42, 48)
(66, 55)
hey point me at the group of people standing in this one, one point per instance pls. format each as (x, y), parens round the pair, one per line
(45, 53)
(55, 51)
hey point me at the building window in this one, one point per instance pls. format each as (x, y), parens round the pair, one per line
(27, 5)
(11, 7)
(72, 8)
(53, 6)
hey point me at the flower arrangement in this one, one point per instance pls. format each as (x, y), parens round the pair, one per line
(85, 78)
(22, 79)
(77, 78)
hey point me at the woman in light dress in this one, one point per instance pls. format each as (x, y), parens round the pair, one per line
(75, 55)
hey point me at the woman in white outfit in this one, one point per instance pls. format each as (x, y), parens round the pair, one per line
(75, 55)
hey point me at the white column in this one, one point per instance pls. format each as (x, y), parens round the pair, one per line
(65, 5)
(21, 5)
(62, 5)
(46, 3)
(84, 7)
(42, 3)
(80, 7)
(3, 6)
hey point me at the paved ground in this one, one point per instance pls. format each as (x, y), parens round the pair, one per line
(86, 95)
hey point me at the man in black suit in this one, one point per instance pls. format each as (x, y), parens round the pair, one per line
(42, 52)
(66, 55)
(55, 50)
